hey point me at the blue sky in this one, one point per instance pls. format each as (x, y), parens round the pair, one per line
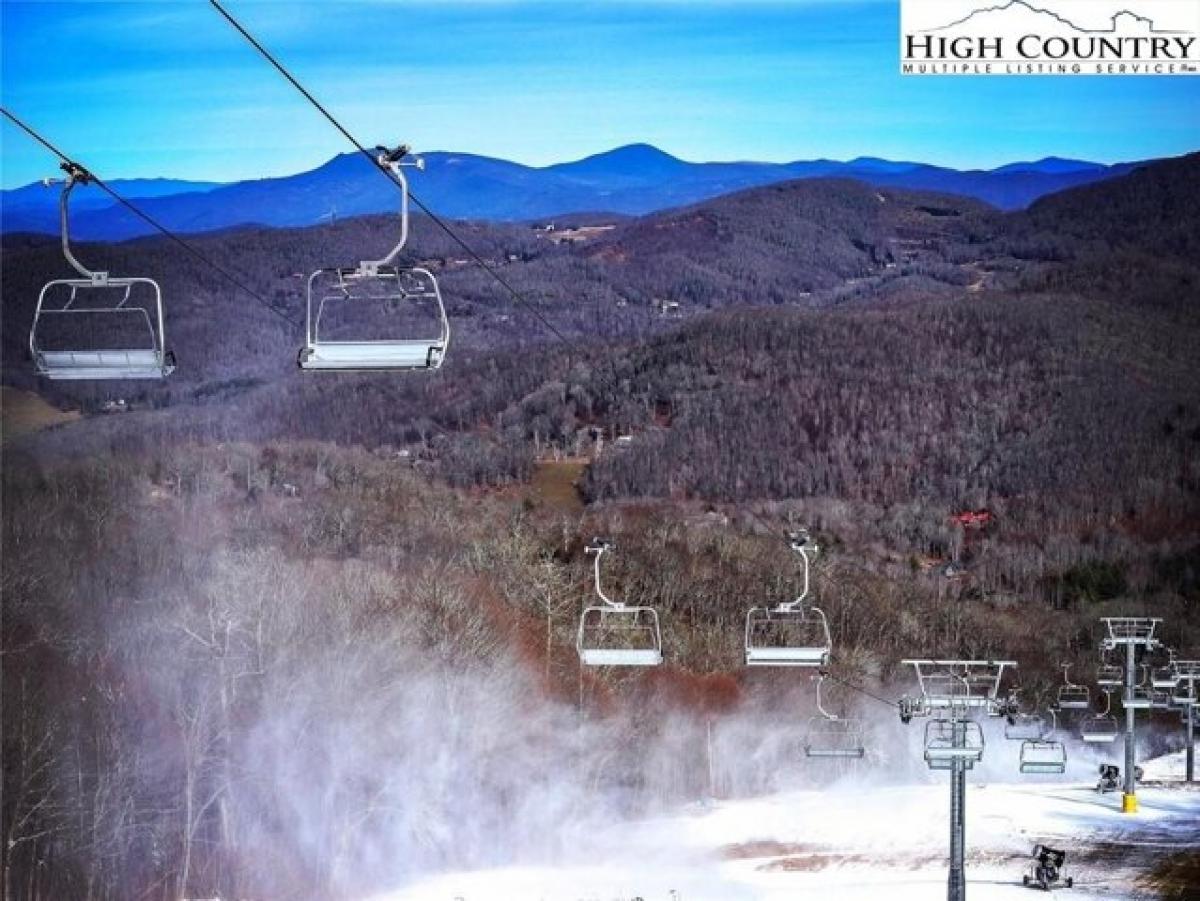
(169, 89)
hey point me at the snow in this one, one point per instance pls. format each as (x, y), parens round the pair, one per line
(1168, 768)
(857, 841)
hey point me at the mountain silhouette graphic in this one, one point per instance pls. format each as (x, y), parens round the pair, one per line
(1021, 6)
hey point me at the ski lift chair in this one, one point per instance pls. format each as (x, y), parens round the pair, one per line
(1024, 726)
(1072, 696)
(833, 737)
(343, 304)
(1141, 699)
(1043, 755)
(98, 326)
(949, 740)
(1109, 675)
(794, 633)
(612, 633)
(1167, 675)
(1100, 728)
(1142, 695)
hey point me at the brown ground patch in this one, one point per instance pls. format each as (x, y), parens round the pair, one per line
(22, 412)
(751, 850)
(1175, 878)
(799, 858)
(812, 863)
(554, 485)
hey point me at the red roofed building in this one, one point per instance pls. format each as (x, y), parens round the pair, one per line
(972, 519)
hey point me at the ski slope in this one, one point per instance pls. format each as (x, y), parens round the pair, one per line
(858, 842)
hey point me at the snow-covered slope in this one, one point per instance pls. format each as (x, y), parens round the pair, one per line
(856, 842)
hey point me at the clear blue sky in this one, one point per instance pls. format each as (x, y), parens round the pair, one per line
(167, 88)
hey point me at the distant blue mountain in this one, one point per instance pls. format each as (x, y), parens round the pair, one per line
(1053, 165)
(874, 164)
(633, 180)
(35, 206)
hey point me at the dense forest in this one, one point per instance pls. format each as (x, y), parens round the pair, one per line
(272, 616)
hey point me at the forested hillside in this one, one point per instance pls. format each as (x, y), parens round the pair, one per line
(812, 243)
(265, 628)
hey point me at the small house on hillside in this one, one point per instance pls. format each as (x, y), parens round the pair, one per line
(972, 519)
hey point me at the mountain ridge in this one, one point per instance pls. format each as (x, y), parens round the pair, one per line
(634, 179)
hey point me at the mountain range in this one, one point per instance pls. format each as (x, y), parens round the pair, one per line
(631, 180)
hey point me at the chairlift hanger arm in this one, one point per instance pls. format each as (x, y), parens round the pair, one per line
(76, 174)
(596, 549)
(798, 541)
(392, 162)
(821, 707)
(1066, 668)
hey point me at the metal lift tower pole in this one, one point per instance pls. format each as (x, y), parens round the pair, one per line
(1189, 675)
(1133, 632)
(951, 690)
(1191, 739)
(957, 884)
(1129, 799)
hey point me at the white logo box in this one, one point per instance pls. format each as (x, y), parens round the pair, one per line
(1050, 37)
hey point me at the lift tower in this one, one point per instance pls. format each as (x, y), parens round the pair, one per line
(951, 691)
(1131, 633)
(1185, 696)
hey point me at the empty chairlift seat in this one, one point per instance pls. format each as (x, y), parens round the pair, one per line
(1142, 698)
(97, 326)
(947, 741)
(356, 316)
(794, 633)
(1043, 757)
(833, 737)
(377, 316)
(90, 338)
(619, 635)
(612, 633)
(1024, 727)
(1100, 728)
(1072, 696)
(1165, 676)
(787, 635)
(1109, 675)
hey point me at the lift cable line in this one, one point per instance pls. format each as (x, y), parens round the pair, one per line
(388, 174)
(148, 219)
(862, 691)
